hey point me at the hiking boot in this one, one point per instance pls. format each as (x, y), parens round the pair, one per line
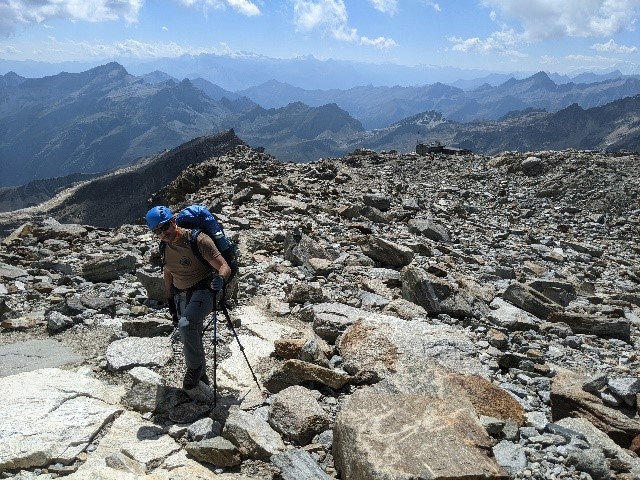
(204, 379)
(192, 377)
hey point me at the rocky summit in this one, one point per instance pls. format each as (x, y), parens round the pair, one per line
(405, 317)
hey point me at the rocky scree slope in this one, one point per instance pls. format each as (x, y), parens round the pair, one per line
(479, 312)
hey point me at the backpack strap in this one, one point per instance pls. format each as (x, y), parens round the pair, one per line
(193, 243)
(162, 248)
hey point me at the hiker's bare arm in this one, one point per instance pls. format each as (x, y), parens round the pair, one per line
(221, 266)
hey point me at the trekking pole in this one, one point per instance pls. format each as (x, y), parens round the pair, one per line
(214, 320)
(235, 334)
(215, 357)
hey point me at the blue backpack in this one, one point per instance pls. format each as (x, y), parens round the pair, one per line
(200, 220)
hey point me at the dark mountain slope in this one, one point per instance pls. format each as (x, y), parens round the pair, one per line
(122, 197)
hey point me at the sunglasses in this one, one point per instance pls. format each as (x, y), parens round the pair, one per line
(160, 229)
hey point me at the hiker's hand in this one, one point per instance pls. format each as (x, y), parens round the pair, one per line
(173, 310)
(217, 283)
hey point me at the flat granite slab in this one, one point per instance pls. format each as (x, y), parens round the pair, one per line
(34, 355)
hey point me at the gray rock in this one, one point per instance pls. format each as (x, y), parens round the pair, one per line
(33, 355)
(510, 456)
(430, 229)
(585, 430)
(9, 272)
(331, 319)
(386, 252)
(439, 295)
(279, 202)
(188, 412)
(568, 399)
(305, 293)
(252, 435)
(120, 462)
(598, 325)
(595, 384)
(591, 461)
(532, 166)
(626, 388)
(153, 283)
(530, 300)
(142, 441)
(560, 292)
(373, 300)
(296, 414)
(299, 248)
(217, 451)
(139, 352)
(510, 317)
(202, 429)
(377, 200)
(146, 327)
(147, 392)
(298, 465)
(312, 352)
(106, 269)
(57, 321)
(381, 343)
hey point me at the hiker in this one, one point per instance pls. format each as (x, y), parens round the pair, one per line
(190, 286)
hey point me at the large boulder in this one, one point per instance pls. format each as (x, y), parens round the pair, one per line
(408, 436)
(51, 415)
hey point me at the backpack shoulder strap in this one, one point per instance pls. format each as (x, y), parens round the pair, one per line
(193, 243)
(162, 248)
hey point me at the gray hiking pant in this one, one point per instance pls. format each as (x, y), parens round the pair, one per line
(191, 321)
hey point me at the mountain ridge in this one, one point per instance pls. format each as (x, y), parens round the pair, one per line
(106, 118)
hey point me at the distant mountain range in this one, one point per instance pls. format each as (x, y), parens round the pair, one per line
(378, 107)
(242, 70)
(103, 118)
(611, 127)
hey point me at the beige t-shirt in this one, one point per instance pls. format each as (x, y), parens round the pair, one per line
(184, 266)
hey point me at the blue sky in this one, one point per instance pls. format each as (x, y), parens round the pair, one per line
(564, 36)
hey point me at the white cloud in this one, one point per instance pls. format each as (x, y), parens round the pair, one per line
(28, 12)
(132, 49)
(331, 16)
(612, 46)
(9, 50)
(434, 5)
(503, 42)
(84, 50)
(382, 43)
(244, 7)
(385, 6)
(544, 19)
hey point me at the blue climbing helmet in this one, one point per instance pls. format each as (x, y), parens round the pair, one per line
(157, 216)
